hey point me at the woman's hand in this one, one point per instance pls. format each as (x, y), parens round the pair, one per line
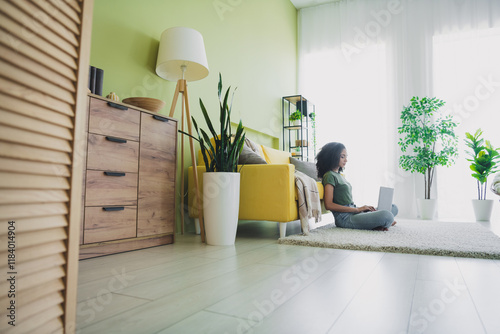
(366, 208)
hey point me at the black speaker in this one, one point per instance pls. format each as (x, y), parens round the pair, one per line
(302, 106)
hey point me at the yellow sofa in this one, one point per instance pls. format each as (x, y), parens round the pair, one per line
(267, 191)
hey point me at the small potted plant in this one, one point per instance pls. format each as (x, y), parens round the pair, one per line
(221, 182)
(312, 116)
(296, 117)
(483, 164)
(431, 140)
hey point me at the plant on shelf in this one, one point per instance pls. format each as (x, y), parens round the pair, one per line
(483, 160)
(428, 137)
(312, 116)
(296, 116)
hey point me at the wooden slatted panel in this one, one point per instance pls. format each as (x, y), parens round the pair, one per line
(31, 138)
(33, 25)
(33, 125)
(14, 196)
(53, 327)
(44, 55)
(35, 82)
(39, 251)
(57, 15)
(27, 296)
(19, 107)
(53, 25)
(28, 64)
(17, 29)
(37, 223)
(25, 49)
(24, 94)
(33, 167)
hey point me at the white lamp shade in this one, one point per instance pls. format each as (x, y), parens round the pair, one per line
(181, 46)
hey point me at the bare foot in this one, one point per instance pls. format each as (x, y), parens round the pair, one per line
(380, 228)
(395, 222)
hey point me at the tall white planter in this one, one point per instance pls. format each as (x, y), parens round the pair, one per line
(427, 208)
(482, 209)
(221, 202)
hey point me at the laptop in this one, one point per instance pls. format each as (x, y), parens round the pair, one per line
(385, 197)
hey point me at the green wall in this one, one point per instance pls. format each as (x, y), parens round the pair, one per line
(252, 43)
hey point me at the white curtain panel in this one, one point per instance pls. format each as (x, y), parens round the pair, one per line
(360, 61)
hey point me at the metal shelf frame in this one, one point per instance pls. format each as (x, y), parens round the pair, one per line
(293, 133)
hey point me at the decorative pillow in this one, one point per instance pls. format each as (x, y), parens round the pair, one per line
(276, 156)
(249, 157)
(254, 147)
(306, 167)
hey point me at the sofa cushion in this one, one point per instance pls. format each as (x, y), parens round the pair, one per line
(249, 157)
(255, 147)
(306, 167)
(276, 156)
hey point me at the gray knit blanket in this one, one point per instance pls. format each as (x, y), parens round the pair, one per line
(308, 202)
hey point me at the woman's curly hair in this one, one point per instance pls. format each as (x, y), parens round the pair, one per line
(328, 158)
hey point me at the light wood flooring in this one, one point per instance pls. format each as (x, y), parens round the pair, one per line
(259, 286)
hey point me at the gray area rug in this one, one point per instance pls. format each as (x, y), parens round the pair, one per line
(413, 237)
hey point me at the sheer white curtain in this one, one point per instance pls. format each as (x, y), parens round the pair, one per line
(467, 76)
(360, 61)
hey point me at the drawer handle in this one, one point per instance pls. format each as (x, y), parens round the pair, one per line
(113, 208)
(159, 118)
(114, 174)
(116, 140)
(117, 106)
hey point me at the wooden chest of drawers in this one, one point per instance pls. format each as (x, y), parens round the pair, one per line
(129, 188)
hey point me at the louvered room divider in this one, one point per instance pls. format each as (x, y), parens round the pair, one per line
(44, 61)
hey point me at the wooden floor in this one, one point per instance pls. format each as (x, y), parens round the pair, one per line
(259, 286)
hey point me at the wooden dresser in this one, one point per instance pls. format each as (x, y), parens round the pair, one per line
(129, 186)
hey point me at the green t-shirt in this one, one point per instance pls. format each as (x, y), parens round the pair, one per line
(342, 193)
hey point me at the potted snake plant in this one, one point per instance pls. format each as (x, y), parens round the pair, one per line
(483, 163)
(221, 181)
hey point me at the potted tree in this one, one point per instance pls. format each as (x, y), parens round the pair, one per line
(483, 164)
(221, 182)
(430, 140)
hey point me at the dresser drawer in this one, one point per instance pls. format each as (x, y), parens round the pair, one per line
(111, 121)
(117, 223)
(112, 153)
(110, 188)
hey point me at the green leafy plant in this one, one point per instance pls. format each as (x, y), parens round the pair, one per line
(483, 162)
(296, 115)
(223, 154)
(429, 136)
(312, 116)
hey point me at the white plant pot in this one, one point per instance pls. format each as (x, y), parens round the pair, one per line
(427, 208)
(482, 209)
(221, 202)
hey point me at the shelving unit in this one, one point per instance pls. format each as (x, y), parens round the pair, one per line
(298, 138)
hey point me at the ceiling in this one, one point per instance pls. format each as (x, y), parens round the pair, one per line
(309, 3)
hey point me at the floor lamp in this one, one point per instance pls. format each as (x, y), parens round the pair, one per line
(182, 58)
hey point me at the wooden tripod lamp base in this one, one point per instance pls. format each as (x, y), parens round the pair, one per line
(182, 88)
(182, 57)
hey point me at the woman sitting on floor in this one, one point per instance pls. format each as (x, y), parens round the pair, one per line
(331, 161)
